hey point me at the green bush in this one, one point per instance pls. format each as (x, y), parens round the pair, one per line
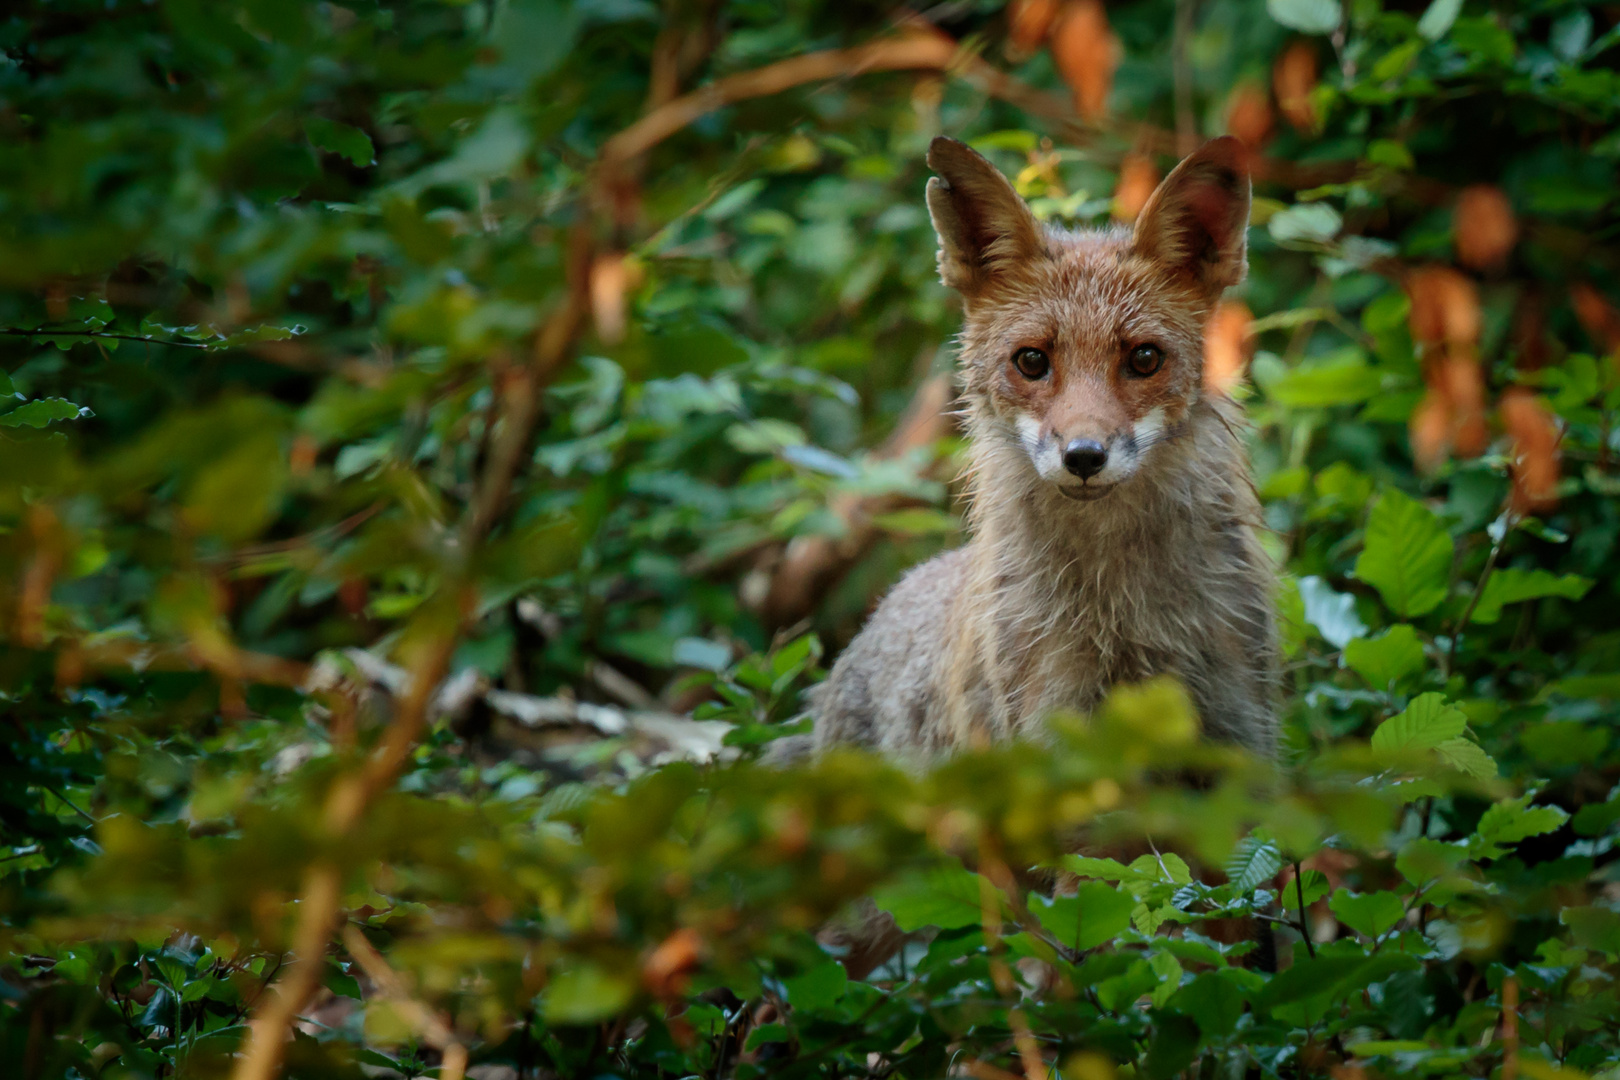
(441, 450)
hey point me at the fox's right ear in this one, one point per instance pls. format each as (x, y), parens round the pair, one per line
(1196, 222)
(985, 230)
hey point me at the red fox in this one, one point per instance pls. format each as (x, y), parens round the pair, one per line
(1113, 517)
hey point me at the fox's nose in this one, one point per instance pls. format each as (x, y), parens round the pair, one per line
(1084, 457)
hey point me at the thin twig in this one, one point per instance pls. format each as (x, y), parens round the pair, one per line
(1473, 601)
(267, 1031)
(71, 805)
(16, 332)
(321, 893)
(1304, 923)
(434, 1031)
(1510, 1028)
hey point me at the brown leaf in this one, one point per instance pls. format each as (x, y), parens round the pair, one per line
(1529, 334)
(1137, 179)
(1485, 227)
(1086, 52)
(353, 595)
(1248, 115)
(1598, 317)
(1293, 77)
(1463, 383)
(1226, 346)
(1028, 23)
(666, 970)
(1535, 435)
(1430, 428)
(301, 458)
(1445, 306)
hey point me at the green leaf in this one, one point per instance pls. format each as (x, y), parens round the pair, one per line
(1167, 868)
(1407, 556)
(1316, 983)
(239, 494)
(1332, 613)
(1509, 821)
(1438, 18)
(1253, 863)
(1213, 1001)
(1512, 586)
(1593, 927)
(1564, 742)
(1467, 758)
(1316, 886)
(1584, 686)
(1104, 913)
(1306, 16)
(918, 521)
(1168, 969)
(1595, 819)
(1342, 382)
(1387, 660)
(1386, 1046)
(700, 653)
(767, 1033)
(1422, 860)
(38, 414)
(341, 139)
(817, 988)
(586, 994)
(946, 897)
(1097, 913)
(1316, 221)
(1173, 1047)
(1369, 914)
(1103, 869)
(1426, 723)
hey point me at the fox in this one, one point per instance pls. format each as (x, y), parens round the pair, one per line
(1113, 519)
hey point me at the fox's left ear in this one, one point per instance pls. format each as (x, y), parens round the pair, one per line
(1197, 221)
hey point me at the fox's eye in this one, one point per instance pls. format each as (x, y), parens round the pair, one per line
(1144, 360)
(1031, 363)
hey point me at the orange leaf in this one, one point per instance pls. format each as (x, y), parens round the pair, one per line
(1248, 115)
(1464, 387)
(1598, 317)
(1445, 306)
(1028, 23)
(1485, 227)
(1086, 52)
(1226, 346)
(1137, 179)
(666, 969)
(1535, 450)
(608, 283)
(1430, 428)
(1293, 78)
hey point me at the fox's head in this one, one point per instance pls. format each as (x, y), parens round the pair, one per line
(1086, 348)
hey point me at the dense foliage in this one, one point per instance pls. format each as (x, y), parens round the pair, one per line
(440, 453)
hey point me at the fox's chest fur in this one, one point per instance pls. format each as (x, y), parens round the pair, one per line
(1054, 602)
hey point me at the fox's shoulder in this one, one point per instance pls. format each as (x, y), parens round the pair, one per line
(882, 688)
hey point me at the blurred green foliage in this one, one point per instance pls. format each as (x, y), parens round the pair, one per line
(372, 441)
